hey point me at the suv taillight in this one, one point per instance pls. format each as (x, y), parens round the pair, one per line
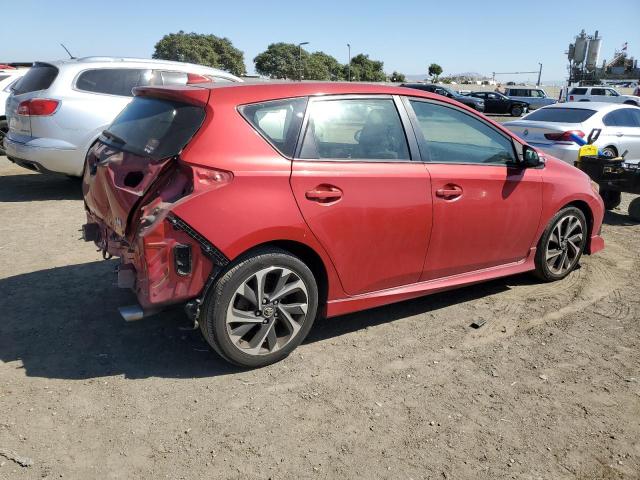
(571, 98)
(564, 136)
(38, 107)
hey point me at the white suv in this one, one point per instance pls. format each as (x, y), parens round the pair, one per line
(58, 109)
(601, 94)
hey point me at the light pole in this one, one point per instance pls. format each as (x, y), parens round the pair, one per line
(349, 64)
(300, 59)
(539, 75)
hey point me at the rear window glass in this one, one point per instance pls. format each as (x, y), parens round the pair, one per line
(154, 128)
(39, 77)
(561, 115)
(278, 122)
(113, 81)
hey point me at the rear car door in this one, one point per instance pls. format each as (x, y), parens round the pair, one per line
(363, 197)
(486, 208)
(623, 131)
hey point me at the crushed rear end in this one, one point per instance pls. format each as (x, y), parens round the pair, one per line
(134, 176)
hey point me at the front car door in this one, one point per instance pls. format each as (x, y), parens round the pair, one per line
(496, 103)
(486, 207)
(363, 197)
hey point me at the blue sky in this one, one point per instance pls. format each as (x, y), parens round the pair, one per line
(461, 36)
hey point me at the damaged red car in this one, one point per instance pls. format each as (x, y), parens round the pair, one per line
(260, 207)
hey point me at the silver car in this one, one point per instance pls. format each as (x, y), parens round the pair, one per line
(58, 109)
(553, 129)
(534, 96)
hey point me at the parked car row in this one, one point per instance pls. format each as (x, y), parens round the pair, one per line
(59, 109)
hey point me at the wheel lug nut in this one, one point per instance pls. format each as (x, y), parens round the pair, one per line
(258, 313)
(264, 300)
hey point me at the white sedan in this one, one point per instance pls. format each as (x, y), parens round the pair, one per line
(551, 129)
(7, 79)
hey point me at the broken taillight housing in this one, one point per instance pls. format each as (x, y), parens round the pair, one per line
(38, 107)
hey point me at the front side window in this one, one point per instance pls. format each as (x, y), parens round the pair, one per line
(358, 129)
(452, 136)
(611, 93)
(278, 121)
(113, 81)
(537, 93)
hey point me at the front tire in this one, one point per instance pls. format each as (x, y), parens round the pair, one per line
(261, 309)
(516, 111)
(561, 246)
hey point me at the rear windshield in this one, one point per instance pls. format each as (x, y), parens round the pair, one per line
(154, 128)
(561, 115)
(39, 77)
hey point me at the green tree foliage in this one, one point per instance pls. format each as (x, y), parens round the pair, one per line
(280, 60)
(435, 70)
(397, 77)
(363, 69)
(321, 66)
(201, 49)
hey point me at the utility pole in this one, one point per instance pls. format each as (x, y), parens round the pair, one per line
(300, 59)
(349, 64)
(539, 75)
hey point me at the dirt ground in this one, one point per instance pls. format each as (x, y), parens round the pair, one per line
(548, 388)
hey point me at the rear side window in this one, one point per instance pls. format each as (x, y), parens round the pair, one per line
(561, 115)
(39, 77)
(112, 81)
(578, 91)
(354, 129)
(597, 91)
(277, 121)
(154, 128)
(621, 118)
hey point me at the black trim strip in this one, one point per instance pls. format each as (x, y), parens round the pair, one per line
(207, 248)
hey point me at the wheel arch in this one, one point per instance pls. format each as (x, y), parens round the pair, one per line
(309, 257)
(586, 210)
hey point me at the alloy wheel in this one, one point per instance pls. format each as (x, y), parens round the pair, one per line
(267, 311)
(565, 245)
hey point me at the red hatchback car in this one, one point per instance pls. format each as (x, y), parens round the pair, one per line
(262, 206)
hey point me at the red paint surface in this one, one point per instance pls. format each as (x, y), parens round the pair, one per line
(393, 231)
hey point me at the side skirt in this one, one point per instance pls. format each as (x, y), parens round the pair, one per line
(406, 292)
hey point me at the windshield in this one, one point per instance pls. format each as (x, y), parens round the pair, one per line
(154, 128)
(561, 115)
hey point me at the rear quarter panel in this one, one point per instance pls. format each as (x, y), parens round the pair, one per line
(258, 206)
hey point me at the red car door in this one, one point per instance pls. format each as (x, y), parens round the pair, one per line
(362, 196)
(486, 208)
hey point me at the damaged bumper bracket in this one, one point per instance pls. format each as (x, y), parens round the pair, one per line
(208, 249)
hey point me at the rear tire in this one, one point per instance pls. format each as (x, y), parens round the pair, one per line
(634, 209)
(611, 198)
(261, 309)
(516, 111)
(561, 246)
(610, 152)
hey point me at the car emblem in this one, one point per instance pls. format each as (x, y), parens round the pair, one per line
(526, 132)
(268, 311)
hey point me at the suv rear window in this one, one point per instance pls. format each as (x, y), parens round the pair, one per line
(154, 128)
(39, 77)
(561, 115)
(277, 121)
(112, 81)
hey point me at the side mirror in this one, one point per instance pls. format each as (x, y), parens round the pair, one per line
(530, 158)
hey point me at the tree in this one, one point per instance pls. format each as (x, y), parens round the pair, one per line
(281, 60)
(397, 77)
(201, 49)
(321, 66)
(364, 69)
(434, 71)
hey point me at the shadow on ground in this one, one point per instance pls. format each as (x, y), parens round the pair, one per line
(63, 323)
(37, 187)
(619, 219)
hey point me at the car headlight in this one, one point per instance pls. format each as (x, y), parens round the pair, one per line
(595, 187)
